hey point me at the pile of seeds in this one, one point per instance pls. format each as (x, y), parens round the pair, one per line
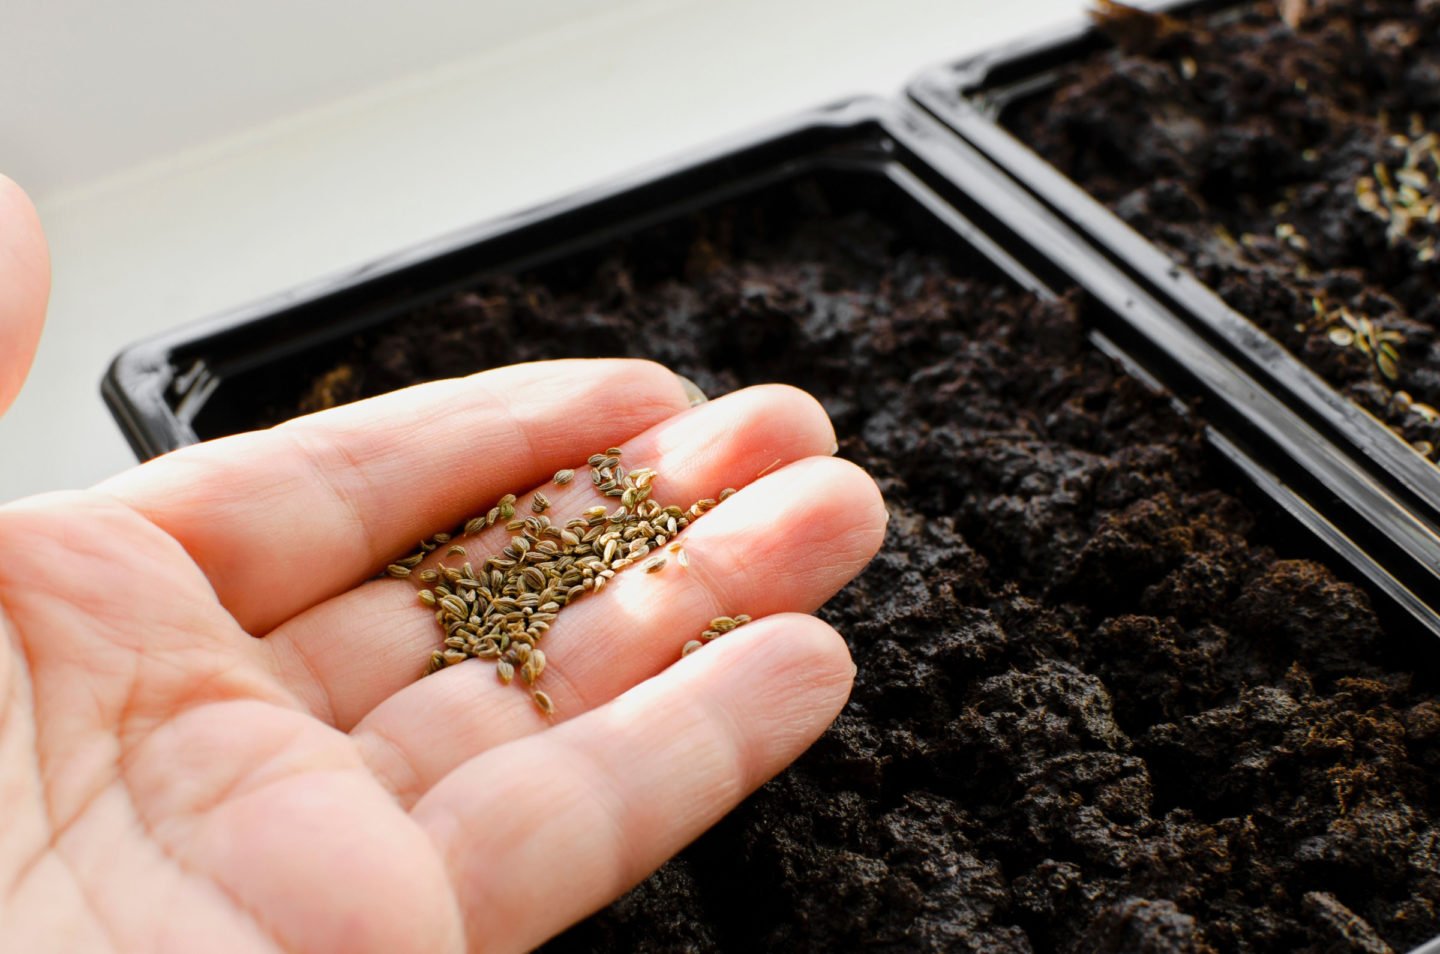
(1405, 198)
(719, 626)
(502, 610)
(1346, 329)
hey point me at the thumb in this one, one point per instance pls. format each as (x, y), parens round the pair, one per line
(24, 287)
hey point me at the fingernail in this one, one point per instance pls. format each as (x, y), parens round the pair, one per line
(692, 391)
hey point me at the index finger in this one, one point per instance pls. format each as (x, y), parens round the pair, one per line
(280, 520)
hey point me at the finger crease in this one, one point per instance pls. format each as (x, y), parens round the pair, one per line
(395, 761)
(312, 449)
(266, 930)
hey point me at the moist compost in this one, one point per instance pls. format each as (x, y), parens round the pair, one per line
(1292, 169)
(1094, 711)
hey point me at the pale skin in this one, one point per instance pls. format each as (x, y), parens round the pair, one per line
(212, 734)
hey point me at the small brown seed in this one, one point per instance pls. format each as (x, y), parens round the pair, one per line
(533, 667)
(456, 550)
(563, 477)
(429, 576)
(427, 597)
(1387, 365)
(691, 646)
(653, 565)
(542, 702)
(398, 571)
(505, 670)
(539, 503)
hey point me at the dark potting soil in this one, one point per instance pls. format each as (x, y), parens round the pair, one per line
(1246, 149)
(1091, 713)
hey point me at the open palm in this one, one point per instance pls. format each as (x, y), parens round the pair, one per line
(212, 735)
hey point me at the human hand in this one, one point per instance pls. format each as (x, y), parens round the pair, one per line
(170, 781)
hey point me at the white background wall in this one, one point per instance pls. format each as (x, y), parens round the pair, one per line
(190, 156)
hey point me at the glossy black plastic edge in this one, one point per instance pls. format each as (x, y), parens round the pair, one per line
(968, 96)
(135, 383)
(974, 200)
